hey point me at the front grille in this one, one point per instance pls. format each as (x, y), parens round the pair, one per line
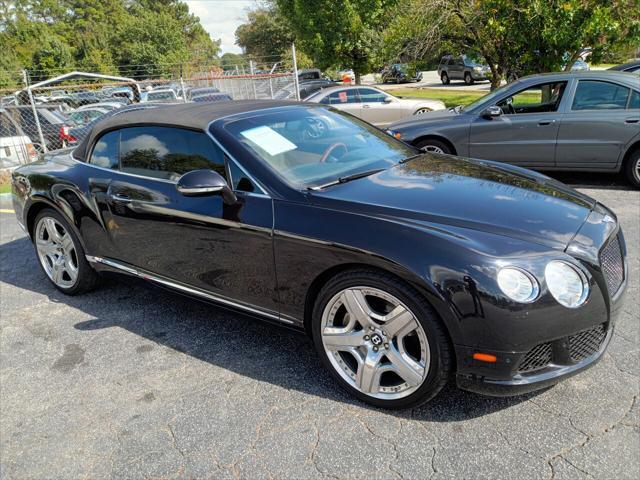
(584, 344)
(612, 265)
(536, 358)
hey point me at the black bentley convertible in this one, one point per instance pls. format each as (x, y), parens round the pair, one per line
(405, 268)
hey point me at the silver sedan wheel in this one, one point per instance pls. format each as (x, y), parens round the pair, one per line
(420, 111)
(56, 252)
(636, 170)
(431, 149)
(375, 343)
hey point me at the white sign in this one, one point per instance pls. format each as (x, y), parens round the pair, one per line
(269, 140)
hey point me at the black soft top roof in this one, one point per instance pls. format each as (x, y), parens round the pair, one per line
(189, 115)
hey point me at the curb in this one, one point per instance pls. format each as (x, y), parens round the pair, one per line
(5, 196)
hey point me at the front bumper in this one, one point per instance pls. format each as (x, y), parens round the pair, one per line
(520, 383)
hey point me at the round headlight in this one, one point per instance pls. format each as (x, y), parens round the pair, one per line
(518, 285)
(567, 284)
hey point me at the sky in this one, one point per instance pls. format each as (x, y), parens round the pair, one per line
(221, 18)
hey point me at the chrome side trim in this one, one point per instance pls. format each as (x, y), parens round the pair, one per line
(186, 289)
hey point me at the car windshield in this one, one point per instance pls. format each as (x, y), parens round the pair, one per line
(486, 99)
(313, 146)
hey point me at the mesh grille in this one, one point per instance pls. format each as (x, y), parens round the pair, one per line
(612, 265)
(584, 344)
(536, 358)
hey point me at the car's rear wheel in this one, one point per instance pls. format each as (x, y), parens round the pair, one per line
(468, 79)
(420, 111)
(380, 339)
(61, 255)
(632, 169)
(432, 145)
(445, 78)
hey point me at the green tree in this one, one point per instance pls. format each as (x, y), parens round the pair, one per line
(266, 34)
(344, 33)
(515, 37)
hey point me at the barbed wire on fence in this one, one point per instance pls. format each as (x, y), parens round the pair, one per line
(36, 116)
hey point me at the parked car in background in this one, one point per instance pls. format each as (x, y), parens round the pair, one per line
(342, 74)
(633, 66)
(373, 105)
(400, 73)
(8, 100)
(53, 123)
(578, 66)
(78, 132)
(16, 148)
(105, 105)
(306, 88)
(212, 97)
(406, 269)
(587, 121)
(85, 115)
(163, 95)
(462, 67)
(199, 91)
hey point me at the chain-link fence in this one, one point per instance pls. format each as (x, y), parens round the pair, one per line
(41, 112)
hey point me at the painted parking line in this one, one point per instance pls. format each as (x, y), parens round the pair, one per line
(6, 210)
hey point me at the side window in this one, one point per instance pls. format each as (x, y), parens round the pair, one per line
(343, 96)
(167, 153)
(105, 151)
(541, 98)
(634, 101)
(595, 95)
(459, 62)
(239, 180)
(368, 95)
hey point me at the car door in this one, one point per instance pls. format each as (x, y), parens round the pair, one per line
(346, 100)
(602, 119)
(198, 241)
(378, 108)
(526, 132)
(456, 68)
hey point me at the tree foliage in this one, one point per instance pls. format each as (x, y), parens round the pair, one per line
(515, 37)
(266, 34)
(344, 33)
(129, 37)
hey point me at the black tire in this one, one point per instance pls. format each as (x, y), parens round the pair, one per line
(468, 79)
(87, 278)
(444, 78)
(632, 168)
(425, 144)
(441, 355)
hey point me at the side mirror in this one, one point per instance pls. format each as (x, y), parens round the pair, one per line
(388, 99)
(492, 112)
(205, 182)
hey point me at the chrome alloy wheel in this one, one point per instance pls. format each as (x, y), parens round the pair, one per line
(56, 252)
(420, 111)
(431, 149)
(636, 170)
(375, 343)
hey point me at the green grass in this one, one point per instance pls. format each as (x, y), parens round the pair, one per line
(5, 187)
(451, 98)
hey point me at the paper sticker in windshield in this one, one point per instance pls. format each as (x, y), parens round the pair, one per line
(269, 140)
(342, 96)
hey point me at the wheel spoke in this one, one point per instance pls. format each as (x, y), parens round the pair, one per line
(70, 268)
(368, 375)
(50, 226)
(67, 243)
(46, 247)
(399, 322)
(410, 371)
(57, 271)
(357, 306)
(337, 339)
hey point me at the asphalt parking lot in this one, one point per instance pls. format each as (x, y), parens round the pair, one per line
(132, 382)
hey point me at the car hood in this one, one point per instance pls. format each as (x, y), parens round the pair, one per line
(485, 196)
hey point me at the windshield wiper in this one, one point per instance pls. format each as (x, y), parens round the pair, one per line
(348, 178)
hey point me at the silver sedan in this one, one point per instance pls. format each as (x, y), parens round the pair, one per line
(373, 105)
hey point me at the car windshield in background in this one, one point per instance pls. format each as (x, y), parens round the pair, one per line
(311, 147)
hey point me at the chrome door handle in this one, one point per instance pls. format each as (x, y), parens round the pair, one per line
(121, 198)
(632, 120)
(546, 122)
(366, 106)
